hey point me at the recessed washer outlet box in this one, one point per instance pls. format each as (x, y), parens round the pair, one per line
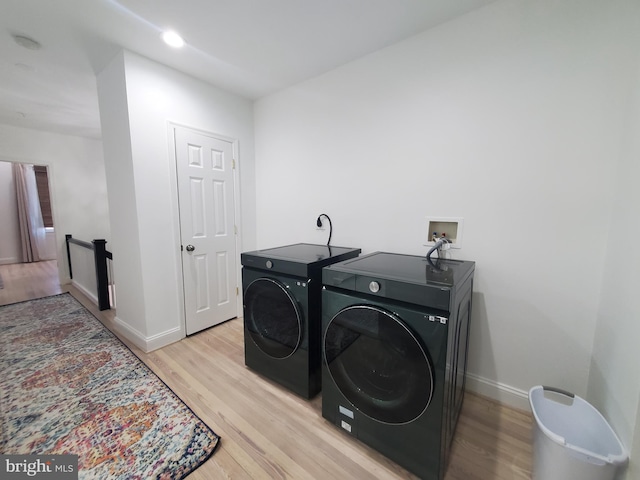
(451, 227)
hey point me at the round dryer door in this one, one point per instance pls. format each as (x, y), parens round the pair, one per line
(272, 317)
(378, 364)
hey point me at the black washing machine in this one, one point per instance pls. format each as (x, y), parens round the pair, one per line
(282, 299)
(395, 337)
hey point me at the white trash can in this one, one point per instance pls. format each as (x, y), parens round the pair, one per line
(572, 440)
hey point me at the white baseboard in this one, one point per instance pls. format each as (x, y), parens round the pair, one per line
(147, 344)
(505, 394)
(165, 338)
(90, 295)
(9, 260)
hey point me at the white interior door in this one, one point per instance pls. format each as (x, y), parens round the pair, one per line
(205, 167)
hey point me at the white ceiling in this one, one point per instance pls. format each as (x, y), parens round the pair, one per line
(249, 47)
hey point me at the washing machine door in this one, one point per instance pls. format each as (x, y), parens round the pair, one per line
(378, 364)
(272, 317)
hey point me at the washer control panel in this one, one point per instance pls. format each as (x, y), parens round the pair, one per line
(438, 318)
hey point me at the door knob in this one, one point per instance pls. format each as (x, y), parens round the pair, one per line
(190, 248)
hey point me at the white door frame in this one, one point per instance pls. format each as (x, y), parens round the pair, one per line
(171, 126)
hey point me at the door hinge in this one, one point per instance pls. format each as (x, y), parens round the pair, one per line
(233, 163)
(237, 291)
(235, 229)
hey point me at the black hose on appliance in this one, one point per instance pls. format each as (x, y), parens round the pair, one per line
(319, 224)
(437, 246)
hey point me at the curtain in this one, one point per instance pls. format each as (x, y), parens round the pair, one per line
(32, 233)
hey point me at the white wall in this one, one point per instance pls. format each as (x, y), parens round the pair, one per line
(77, 180)
(633, 471)
(509, 117)
(125, 245)
(614, 382)
(138, 99)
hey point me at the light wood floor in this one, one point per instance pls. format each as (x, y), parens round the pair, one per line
(23, 281)
(268, 432)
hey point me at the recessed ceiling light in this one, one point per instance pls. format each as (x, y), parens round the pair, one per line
(172, 39)
(26, 42)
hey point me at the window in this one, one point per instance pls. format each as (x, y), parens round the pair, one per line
(42, 182)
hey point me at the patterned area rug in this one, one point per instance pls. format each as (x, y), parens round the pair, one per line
(69, 386)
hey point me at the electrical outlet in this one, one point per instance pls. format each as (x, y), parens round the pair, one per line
(450, 227)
